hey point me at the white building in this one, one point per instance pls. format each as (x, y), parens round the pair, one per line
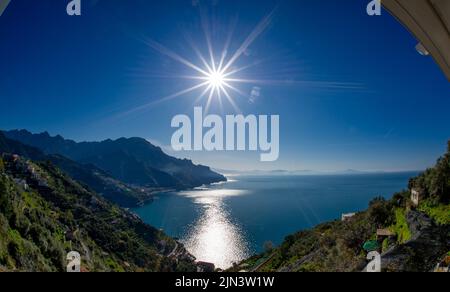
(22, 183)
(348, 216)
(415, 197)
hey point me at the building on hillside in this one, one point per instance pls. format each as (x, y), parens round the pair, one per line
(21, 183)
(348, 216)
(31, 170)
(416, 196)
(204, 267)
(382, 234)
(443, 266)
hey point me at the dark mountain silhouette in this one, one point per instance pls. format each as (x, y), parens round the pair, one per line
(133, 161)
(87, 174)
(15, 147)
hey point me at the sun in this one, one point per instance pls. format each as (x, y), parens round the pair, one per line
(216, 74)
(216, 79)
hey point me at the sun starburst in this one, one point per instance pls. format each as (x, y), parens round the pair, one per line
(216, 84)
(216, 79)
(216, 76)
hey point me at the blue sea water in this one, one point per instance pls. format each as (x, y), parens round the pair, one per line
(225, 223)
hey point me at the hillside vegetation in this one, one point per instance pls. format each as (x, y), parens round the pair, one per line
(90, 176)
(44, 214)
(421, 234)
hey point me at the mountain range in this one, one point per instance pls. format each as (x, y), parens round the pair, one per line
(88, 175)
(126, 171)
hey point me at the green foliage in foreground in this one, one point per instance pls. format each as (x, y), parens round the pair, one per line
(401, 228)
(338, 246)
(434, 183)
(40, 224)
(440, 213)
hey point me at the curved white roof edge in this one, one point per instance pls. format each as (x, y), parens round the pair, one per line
(429, 22)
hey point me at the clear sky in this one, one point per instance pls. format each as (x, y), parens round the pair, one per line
(351, 91)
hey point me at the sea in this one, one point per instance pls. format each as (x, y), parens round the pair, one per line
(227, 222)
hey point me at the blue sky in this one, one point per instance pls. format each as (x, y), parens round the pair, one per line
(81, 77)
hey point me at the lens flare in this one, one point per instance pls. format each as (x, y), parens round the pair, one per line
(216, 75)
(216, 79)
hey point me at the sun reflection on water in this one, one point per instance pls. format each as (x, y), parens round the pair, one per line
(215, 238)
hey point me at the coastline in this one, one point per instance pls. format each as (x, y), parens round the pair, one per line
(250, 204)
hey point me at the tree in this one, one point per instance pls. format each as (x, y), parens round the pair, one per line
(380, 212)
(434, 183)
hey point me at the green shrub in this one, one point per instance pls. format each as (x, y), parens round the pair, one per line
(401, 228)
(385, 245)
(113, 265)
(309, 267)
(380, 212)
(440, 213)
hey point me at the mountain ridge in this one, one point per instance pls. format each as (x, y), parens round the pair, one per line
(132, 160)
(89, 175)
